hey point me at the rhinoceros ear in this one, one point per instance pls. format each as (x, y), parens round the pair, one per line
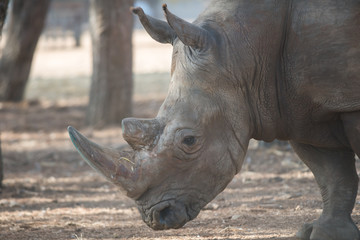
(190, 34)
(159, 30)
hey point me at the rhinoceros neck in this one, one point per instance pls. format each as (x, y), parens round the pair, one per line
(254, 43)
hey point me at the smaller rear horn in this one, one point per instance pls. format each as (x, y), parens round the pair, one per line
(141, 133)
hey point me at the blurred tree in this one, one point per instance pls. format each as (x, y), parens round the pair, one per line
(1, 167)
(26, 23)
(3, 8)
(111, 26)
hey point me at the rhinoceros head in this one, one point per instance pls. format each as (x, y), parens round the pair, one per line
(184, 157)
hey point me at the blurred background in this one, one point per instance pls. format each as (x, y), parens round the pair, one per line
(62, 63)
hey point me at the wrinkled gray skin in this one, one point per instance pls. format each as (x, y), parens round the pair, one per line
(267, 70)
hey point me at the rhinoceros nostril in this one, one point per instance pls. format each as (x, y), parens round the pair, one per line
(170, 214)
(163, 215)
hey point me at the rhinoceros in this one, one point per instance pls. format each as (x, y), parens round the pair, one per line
(264, 70)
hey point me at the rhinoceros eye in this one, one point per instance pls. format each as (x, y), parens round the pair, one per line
(189, 140)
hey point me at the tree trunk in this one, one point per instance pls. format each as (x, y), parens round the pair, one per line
(3, 8)
(26, 23)
(1, 167)
(111, 87)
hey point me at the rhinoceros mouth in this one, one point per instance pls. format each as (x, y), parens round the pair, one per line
(167, 214)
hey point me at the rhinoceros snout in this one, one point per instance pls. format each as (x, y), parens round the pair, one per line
(167, 215)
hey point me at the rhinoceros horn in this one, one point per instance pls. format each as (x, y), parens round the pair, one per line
(141, 133)
(159, 30)
(190, 34)
(117, 167)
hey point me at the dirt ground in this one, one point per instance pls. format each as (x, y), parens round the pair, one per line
(50, 192)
